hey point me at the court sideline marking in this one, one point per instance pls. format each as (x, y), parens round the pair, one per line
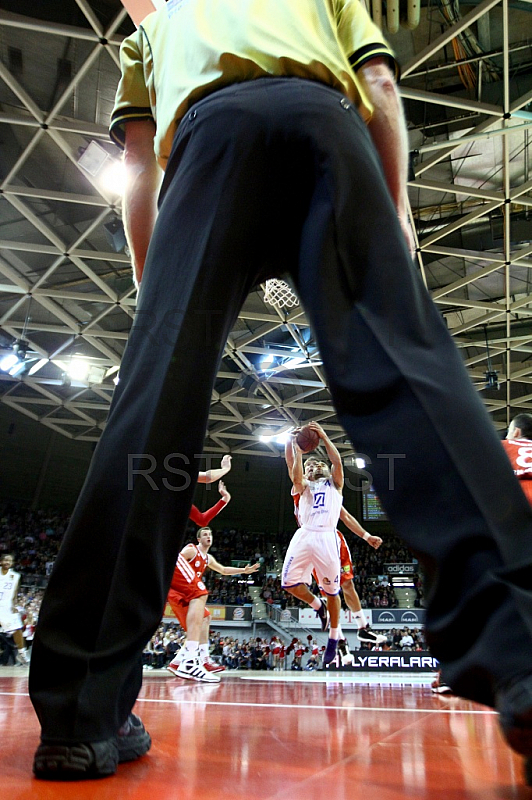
(207, 702)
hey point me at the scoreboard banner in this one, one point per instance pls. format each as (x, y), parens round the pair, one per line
(397, 617)
(225, 614)
(410, 568)
(378, 617)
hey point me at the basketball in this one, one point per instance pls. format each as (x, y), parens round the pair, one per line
(307, 439)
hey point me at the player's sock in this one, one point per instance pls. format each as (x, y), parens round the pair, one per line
(330, 651)
(204, 651)
(335, 633)
(316, 604)
(191, 648)
(360, 619)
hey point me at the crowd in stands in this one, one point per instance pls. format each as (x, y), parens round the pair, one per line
(373, 593)
(227, 591)
(34, 537)
(259, 653)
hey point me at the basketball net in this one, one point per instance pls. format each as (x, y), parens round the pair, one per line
(278, 293)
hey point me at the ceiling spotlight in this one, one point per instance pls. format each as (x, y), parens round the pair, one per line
(113, 177)
(492, 380)
(294, 362)
(96, 374)
(97, 162)
(93, 158)
(78, 369)
(17, 368)
(20, 349)
(8, 362)
(14, 362)
(267, 359)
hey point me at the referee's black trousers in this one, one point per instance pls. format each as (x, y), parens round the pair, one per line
(265, 177)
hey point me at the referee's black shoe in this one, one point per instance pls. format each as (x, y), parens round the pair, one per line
(88, 760)
(528, 771)
(514, 704)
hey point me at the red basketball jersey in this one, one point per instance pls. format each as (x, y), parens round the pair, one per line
(188, 574)
(346, 572)
(519, 451)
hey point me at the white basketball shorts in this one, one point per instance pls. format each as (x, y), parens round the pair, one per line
(313, 550)
(10, 621)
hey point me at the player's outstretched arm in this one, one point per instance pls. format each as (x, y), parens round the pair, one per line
(337, 469)
(298, 480)
(356, 528)
(217, 567)
(203, 518)
(289, 456)
(215, 474)
(226, 497)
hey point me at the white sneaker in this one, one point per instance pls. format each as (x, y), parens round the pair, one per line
(441, 688)
(192, 669)
(23, 658)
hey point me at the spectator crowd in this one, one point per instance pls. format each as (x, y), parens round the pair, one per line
(34, 538)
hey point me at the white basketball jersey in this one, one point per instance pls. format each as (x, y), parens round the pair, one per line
(8, 587)
(320, 505)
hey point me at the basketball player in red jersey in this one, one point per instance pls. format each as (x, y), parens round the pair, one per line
(347, 575)
(188, 598)
(518, 446)
(203, 519)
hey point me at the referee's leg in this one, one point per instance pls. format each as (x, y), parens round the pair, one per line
(405, 399)
(107, 591)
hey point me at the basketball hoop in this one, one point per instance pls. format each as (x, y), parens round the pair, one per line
(278, 293)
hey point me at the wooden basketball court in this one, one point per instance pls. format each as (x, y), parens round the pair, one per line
(284, 736)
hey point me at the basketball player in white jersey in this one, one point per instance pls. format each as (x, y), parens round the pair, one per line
(10, 619)
(346, 565)
(315, 545)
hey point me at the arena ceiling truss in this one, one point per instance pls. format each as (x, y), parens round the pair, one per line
(65, 290)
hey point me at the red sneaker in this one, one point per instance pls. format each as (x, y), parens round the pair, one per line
(212, 666)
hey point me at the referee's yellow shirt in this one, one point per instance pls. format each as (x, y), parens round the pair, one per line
(190, 48)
